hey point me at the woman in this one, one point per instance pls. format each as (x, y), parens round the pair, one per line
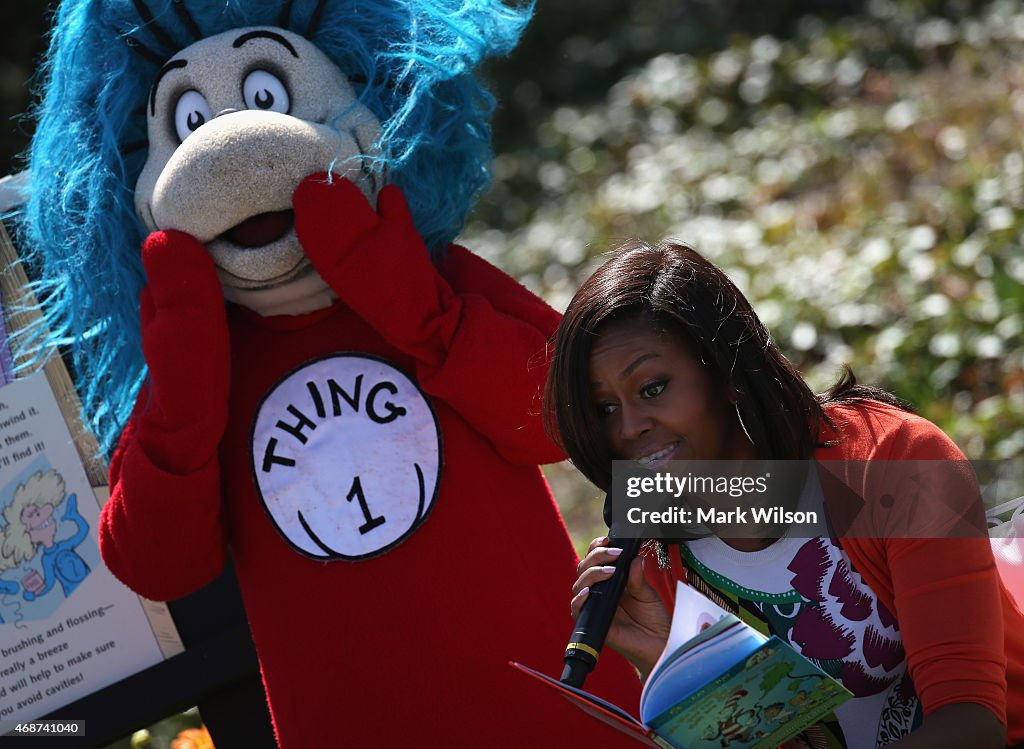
(660, 357)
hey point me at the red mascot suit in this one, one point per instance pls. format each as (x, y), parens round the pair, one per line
(359, 425)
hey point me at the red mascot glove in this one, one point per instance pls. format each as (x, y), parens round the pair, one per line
(331, 218)
(182, 409)
(463, 323)
(377, 264)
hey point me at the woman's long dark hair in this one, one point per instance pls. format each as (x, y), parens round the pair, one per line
(682, 293)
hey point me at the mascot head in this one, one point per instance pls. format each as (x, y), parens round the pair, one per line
(204, 115)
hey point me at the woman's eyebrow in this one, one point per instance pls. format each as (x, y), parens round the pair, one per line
(631, 367)
(636, 363)
(261, 34)
(172, 65)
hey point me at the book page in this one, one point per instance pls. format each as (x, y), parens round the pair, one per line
(765, 699)
(67, 626)
(692, 671)
(695, 620)
(602, 710)
(20, 312)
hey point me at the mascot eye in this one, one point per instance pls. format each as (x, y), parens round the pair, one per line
(263, 90)
(190, 113)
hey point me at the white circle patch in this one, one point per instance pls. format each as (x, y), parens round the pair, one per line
(346, 455)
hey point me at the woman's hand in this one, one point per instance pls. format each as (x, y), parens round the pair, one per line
(641, 624)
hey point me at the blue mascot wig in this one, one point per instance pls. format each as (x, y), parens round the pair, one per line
(411, 60)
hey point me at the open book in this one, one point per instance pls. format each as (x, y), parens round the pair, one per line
(718, 683)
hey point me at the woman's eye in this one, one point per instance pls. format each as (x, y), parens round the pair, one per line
(652, 390)
(190, 113)
(605, 409)
(265, 91)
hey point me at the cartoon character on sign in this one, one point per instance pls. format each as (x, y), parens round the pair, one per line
(360, 421)
(32, 526)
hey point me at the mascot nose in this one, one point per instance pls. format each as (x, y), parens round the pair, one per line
(229, 110)
(237, 166)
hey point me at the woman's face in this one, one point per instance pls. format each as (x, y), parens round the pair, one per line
(657, 402)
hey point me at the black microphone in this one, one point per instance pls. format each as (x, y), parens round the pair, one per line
(598, 610)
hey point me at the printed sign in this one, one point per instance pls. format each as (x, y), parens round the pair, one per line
(68, 628)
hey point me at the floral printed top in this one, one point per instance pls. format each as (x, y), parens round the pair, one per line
(806, 592)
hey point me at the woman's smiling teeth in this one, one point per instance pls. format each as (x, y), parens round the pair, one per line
(657, 457)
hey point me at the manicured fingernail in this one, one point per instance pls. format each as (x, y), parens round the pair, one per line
(609, 569)
(584, 591)
(613, 551)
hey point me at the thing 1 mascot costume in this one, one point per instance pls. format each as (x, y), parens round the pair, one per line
(359, 425)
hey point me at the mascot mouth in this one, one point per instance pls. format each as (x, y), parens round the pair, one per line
(261, 229)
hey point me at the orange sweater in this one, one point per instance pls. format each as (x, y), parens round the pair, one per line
(962, 631)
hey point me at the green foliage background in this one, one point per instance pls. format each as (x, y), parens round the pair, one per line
(859, 176)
